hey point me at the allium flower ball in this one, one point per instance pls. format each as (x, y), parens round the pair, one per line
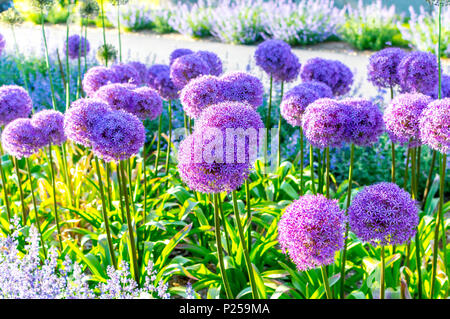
(434, 125)
(147, 104)
(212, 60)
(418, 73)
(402, 116)
(117, 95)
(333, 73)
(158, 78)
(177, 53)
(106, 53)
(445, 87)
(383, 65)
(366, 123)
(77, 46)
(141, 69)
(14, 103)
(325, 123)
(200, 93)
(321, 88)
(204, 168)
(2, 43)
(295, 102)
(276, 59)
(126, 73)
(118, 135)
(311, 231)
(51, 125)
(242, 87)
(81, 117)
(186, 68)
(383, 214)
(21, 139)
(97, 77)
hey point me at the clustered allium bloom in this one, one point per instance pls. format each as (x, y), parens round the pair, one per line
(51, 125)
(434, 125)
(141, 69)
(117, 95)
(383, 214)
(242, 87)
(366, 123)
(77, 46)
(295, 102)
(117, 135)
(200, 93)
(126, 73)
(2, 43)
(81, 117)
(14, 103)
(325, 123)
(445, 87)
(311, 230)
(276, 59)
(402, 116)
(21, 139)
(212, 60)
(177, 53)
(97, 77)
(147, 104)
(158, 78)
(383, 65)
(186, 68)
(320, 88)
(333, 73)
(418, 73)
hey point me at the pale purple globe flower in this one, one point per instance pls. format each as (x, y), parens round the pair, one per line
(141, 69)
(126, 73)
(177, 53)
(212, 60)
(383, 67)
(117, 95)
(434, 125)
(147, 104)
(97, 77)
(295, 102)
(14, 103)
(76, 46)
(20, 138)
(51, 125)
(158, 78)
(242, 87)
(320, 88)
(418, 73)
(186, 68)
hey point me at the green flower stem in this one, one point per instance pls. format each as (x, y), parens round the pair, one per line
(47, 62)
(382, 274)
(244, 247)
(429, 178)
(301, 160)
(311, 167)
(279, 129)
(118, 31)
(55, 205)
(186, 125)
(320, 170)
(405, 182)
(349, 196)
(223, 273)
(36, 212)
(134, 256)
(119, 189)
(85, 50)
(439, 219)
(393, 162)
(67, 65)
(269, 110)
(105, 213)
(144, 168)
(22, 199)
(169, 143)
(79, 63)
(67, 177)
(104, 29)
(5, 187)
(417, 237)
(326, 283)
(222, 217)
(327, 174)
(108, 184)
(158, 147)
(249, 213)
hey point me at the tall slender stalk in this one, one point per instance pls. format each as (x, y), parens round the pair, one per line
(320, 170)
(223, 273)
(301, 160)
(222, 217)
(22, 198)
(249, 213)
(169, 143)
(144, 168)
(105, 213)
(430, 176)
(5, 187)
(382, 274)
(244, 247)
(269, 110)
(158, 147)
(55, 205)
(326, 283)
(327, 174)
(104, 29)
(67, 64)
(349, 196)
(124, 194)
(79, 61)
(311, 167)
(47, 62)
(279, 129)
(392, 147)
(36, 212)
(417, 237)
(118, 31)
(108, 184)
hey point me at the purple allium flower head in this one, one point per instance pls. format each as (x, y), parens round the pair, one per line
(311, 231)
(21, 139)
(119, 96)
(276, 59)
(295, 102)
(81, 117)
(14, 103)
(383, 214)
(186, 68)
(200, 93)
(141, 69)
(434, 125)
(97, 77)
(51, 125)
(2, 43)
(158, 78)
(242, 87)
(212, 60)
(366, 123)
(418, 73)
(154, 71)
(383, 65)
(126, 73)
(204, 168)
(331, 72)
(321, 88)
(147, 104)
(118, 135)
(402, 116)
(78, 46)
(445, 87)
(325, 123)
(177, 53)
